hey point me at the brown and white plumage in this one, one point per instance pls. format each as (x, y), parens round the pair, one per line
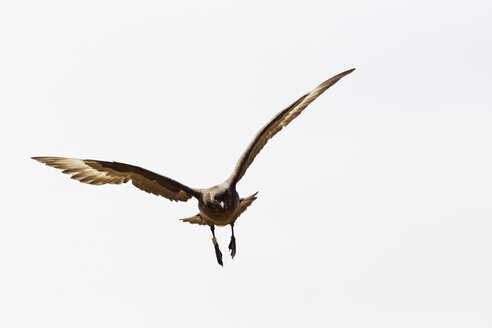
(102, 172)
(281, 120)
(219, 205)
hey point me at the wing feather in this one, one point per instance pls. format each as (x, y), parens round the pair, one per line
(245, 202)
(102, 172)
(196, 219)
(281, 120)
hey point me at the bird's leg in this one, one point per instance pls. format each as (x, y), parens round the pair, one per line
(232, 244)
(218, 254)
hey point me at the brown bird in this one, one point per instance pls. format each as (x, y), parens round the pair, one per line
(219, 205)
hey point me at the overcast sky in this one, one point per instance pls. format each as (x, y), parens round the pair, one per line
(374, 206)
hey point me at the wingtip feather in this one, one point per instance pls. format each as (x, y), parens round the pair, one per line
(347, 72)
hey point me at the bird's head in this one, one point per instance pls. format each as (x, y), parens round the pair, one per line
(221, 202)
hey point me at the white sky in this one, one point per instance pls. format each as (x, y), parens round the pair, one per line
(374, 206)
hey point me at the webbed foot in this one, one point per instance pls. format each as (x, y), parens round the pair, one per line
(232, 246)
(218, 253)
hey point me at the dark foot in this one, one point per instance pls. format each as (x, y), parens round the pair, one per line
(218, 253)
(232, 246)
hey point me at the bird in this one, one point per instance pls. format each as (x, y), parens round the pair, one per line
(219, 205)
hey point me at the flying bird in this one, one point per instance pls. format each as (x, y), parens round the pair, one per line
(219, 205)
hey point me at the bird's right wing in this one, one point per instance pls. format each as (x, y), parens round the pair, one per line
(102, 172)
(281, 120)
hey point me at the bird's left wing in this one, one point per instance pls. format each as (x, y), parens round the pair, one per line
(102, 172)
(281, 120)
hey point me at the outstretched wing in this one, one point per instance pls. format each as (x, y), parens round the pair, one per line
(101, 172)
(277, 123)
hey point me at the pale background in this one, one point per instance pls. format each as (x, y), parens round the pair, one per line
(374, 206)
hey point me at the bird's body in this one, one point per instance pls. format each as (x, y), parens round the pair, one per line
(219, 205)
(226, 212)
